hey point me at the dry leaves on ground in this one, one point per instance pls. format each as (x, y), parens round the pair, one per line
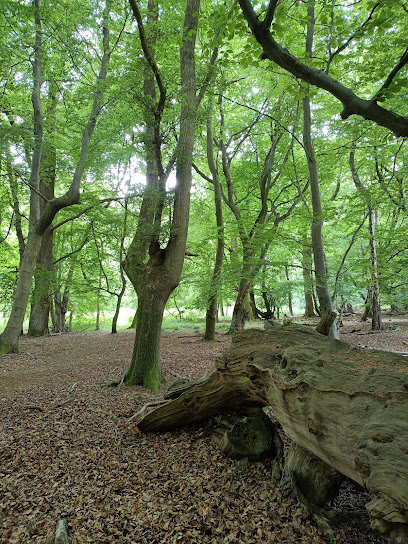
(66, 450)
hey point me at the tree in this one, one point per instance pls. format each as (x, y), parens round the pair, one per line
(341, 416)
(374, 288)
(155, 270)
(322, 288)
(40, 220)
(212, 304)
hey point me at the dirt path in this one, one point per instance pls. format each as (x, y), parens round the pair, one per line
(66, 451)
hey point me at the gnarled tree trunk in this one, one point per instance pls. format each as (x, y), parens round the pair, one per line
(154, 270)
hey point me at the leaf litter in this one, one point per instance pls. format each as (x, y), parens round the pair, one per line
(68, 451)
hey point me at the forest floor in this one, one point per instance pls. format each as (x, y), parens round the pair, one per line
(67, 450)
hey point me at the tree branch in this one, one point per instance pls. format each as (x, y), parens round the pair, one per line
(270, 14)
(400, 64)
(149, 56)
(352, 104)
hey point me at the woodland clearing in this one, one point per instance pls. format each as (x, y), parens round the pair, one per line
(67, 450)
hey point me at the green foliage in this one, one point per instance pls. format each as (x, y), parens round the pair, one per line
(358, 49)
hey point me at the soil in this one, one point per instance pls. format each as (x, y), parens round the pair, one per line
(68, 450)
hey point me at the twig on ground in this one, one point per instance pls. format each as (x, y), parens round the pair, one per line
(146, 407)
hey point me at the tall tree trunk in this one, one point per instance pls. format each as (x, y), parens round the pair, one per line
(122, 272)
(61, 300)
(307, 279)
(98, 305)
(240, 312)
(376, 323)
(155, 279)
(9, 337)
(71, 315)
(374, 290)
(146, 349)
(60, 310)
(289, 291)
(211, 314)
(118, 305)
(11, 334)
(40, 306)
(322, 288)
(257, 314)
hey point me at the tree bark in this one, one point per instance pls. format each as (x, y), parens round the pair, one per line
(145, 368)
(60, 310)
(155, 271)
(307, 280)
(322, 289)
(10, 336)
(211, 313)
(326, 322)
(240, 313)
(98, 305)
(289, 291)
(352, 417)
(40, 307)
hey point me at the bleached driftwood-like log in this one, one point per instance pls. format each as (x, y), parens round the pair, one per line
(61, 532)
(345, 404)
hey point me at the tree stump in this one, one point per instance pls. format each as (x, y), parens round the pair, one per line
(344, 404)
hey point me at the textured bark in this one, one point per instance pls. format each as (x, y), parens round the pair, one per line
(40, 306)
(211, 314)
(352, 417)
(247, 433)
(322, 289)
(326, 322)
(307, 281)
(41, 298)
(155, 271)
(312, 481)
(145, 368)
(10, 336)
(60, 310)
(289, 291)
(240, 313)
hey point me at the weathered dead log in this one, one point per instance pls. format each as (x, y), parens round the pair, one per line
(61, 532)
(345, 404)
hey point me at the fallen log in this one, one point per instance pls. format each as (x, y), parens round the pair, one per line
(344, 404)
